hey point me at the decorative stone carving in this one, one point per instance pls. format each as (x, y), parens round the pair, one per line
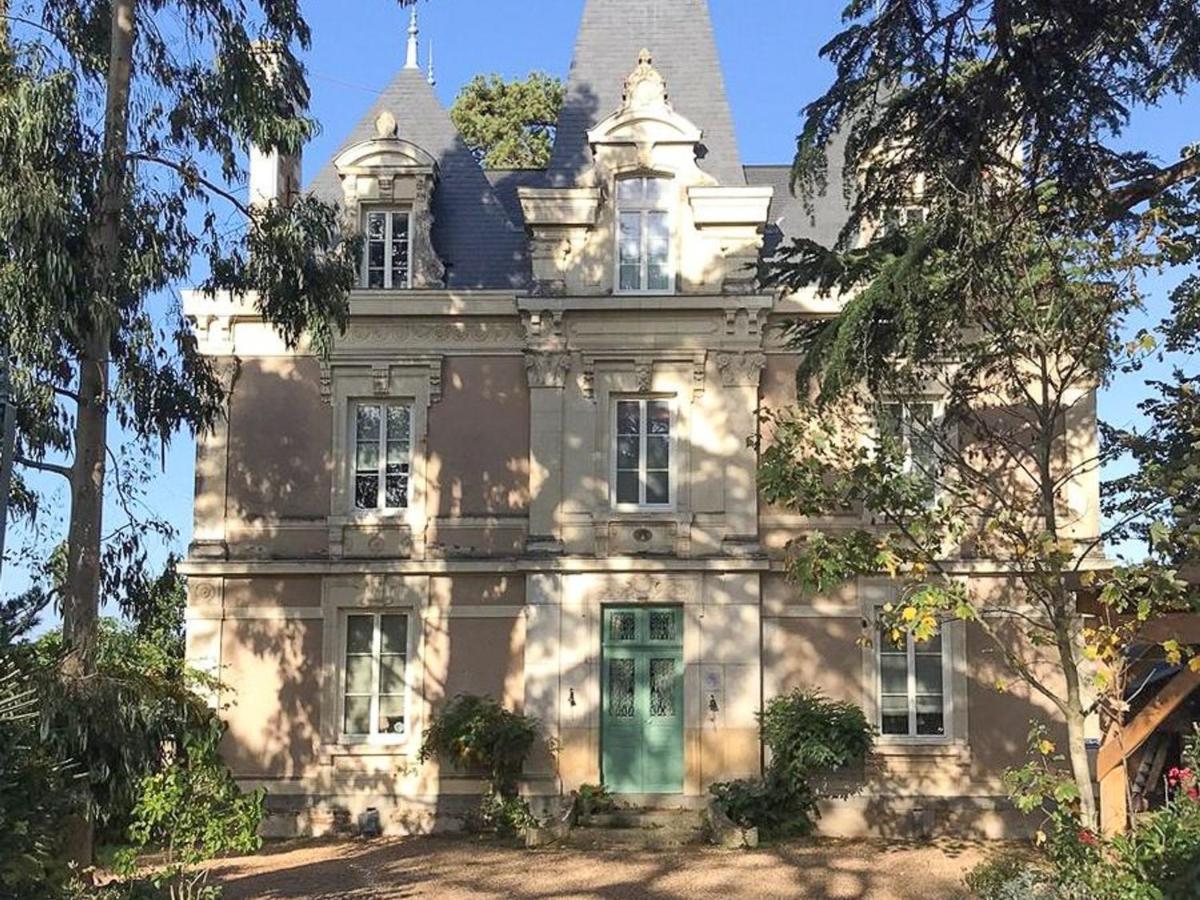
(386, 125)
(644, 86)
(547, 370)
(743, 369)
(325, 383)
(381, 376)
(645, 375)
(433, 335)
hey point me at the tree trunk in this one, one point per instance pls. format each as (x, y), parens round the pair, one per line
(1077, 755)
(81, 601)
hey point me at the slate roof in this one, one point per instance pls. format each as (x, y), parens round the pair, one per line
(473, 233)
(679, 36)
(479, 227)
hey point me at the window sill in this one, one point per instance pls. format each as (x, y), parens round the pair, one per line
(377, 517)
(948, 748)
(367, 747)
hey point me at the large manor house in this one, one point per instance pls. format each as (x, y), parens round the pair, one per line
(524, 471)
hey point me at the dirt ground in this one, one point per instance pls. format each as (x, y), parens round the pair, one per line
(461, 868)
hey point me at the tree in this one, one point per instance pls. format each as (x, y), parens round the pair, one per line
(509, 124)
(1000, 123)
(99, 221)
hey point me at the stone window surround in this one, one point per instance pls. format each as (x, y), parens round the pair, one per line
(872, 595)
(415, 380)
(341, 597)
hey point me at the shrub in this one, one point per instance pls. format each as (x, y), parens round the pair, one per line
(809, 739)
(477, 733)
(1009, 877)
(594, 798)
(1157, 859)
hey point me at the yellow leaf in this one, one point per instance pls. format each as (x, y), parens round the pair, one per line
(1174, 652)
(1040, 837)
(1046, 747)
(1001, 685)
(1194, 663)
(909, 614)
(1091, 651)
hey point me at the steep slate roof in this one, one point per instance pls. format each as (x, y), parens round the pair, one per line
(472, 232)
(678, 34)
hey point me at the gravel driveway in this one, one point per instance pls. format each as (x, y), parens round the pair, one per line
(461, 868)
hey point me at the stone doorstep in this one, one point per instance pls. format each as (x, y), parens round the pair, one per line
(644, 818)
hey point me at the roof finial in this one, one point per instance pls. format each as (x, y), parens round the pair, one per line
(431, 77)
(411, 61)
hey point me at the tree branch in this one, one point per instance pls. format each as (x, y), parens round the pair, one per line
(1130, 195)
(190, 173)
(54, 469)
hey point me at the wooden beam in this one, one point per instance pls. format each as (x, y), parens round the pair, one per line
(1114, 799)
(1124, 743)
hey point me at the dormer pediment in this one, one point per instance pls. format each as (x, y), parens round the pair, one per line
(380, 154)
(645, 117)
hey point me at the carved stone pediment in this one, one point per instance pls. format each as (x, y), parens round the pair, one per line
(646, 117)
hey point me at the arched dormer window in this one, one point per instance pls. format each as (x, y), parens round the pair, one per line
(644, 218)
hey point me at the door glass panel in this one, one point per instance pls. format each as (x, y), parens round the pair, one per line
(662, 625)
(662, 687)
(621, 626)
(620, 688)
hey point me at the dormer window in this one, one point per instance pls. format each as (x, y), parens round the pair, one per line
(644, 236)
(386, 253)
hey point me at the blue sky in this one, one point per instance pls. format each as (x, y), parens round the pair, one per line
(769, 51)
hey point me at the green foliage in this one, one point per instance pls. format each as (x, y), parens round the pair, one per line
(594, 798)
(193, 809)
(509, 124)
(477, 733)
(809, 739)
(1157, 859)
(1009, 876)
(36, 791)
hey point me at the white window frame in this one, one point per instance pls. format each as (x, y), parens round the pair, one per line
(643, 209)
(391, 212)
(902, 215)
(381, 466)
(911, 688)
(375, 736)
(936, 421)
(672, 469)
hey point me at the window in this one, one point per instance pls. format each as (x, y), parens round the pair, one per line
(912, 700)
(382, 455)
(374, 677)
(643, 453)
(644, 235)
(386, 250)
(898, 218)
(912, 427)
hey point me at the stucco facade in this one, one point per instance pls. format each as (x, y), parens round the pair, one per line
(512, 538)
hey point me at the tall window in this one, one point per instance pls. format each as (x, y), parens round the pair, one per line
(376, 653)
(386, 250)
(644, 239)
(382, 455)
(643, 452)
(912, 700)
(912, 425)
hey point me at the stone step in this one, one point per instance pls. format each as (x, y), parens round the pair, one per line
(645, 818)
(616, 838)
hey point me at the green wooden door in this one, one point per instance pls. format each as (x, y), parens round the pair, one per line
(641, 728)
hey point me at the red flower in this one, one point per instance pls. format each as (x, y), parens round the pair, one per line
(1086, 837)
(1194, 792)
